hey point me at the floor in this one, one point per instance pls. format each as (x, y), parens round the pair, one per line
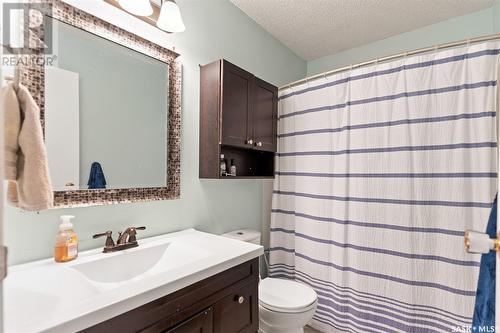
(308, 329)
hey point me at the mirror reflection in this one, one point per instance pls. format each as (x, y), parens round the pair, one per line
(105, 114)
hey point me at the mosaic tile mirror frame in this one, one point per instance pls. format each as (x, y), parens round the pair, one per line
(32, 75)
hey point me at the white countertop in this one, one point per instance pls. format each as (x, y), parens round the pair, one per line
(44, 296)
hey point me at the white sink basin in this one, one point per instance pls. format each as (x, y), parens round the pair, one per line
(45, 296)
(128, 265)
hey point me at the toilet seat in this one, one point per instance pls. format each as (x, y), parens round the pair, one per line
(287, 296)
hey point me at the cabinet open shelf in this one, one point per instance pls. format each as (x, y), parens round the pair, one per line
(249, 163)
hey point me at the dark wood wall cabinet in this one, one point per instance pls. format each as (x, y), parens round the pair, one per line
(224, 303)
(238, 118)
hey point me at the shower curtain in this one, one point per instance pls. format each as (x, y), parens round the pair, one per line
(379, 172)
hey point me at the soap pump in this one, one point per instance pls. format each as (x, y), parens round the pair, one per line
(66, 247)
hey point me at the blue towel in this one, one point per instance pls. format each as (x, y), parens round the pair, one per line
(484, 310)
(96, 178)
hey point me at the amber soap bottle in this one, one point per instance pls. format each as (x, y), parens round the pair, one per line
(66, 247)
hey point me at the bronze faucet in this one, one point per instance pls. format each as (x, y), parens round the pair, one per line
(126, 240)
(128, 235)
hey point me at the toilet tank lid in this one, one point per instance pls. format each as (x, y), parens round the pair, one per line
(244, 235)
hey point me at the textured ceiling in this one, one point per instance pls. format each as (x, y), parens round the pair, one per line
(316, 28)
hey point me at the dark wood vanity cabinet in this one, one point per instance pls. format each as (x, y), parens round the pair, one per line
(238, 118)
(200, 323)
(235, 312)
(224, 303)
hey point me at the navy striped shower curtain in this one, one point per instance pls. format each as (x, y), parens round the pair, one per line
(379, 172)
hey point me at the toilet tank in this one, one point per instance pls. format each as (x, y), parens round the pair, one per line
(245, 235)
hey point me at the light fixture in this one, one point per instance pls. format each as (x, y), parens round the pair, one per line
(170, 18)
(137, 7)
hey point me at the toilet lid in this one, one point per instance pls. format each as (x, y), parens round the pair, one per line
(285, 295)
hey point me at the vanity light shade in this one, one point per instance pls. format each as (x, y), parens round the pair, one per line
(170, 18)
(137, 7)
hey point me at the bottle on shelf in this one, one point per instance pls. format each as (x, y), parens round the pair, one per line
(233, 168)
(223, 166)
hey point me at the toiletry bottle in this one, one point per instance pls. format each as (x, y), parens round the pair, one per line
(223, 167)
(66, 247)
(233, 168)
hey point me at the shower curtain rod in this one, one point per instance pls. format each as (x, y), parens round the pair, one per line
(392, 57)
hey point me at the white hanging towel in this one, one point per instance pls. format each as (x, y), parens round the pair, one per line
(26, 165)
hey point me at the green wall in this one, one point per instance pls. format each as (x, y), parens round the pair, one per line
(215, 29)
(480, 23)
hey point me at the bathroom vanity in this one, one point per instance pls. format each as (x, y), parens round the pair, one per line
(226, 302)
(187, 281)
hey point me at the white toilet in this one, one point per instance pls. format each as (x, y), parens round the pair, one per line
(285, 306)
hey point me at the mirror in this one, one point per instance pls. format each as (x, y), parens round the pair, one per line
(106, 114)
(116, 101)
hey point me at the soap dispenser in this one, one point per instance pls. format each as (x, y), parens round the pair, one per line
(66, 247)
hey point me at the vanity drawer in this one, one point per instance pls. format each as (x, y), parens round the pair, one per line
(169, 311)
(200, 323)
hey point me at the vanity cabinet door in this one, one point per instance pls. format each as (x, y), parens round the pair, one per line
(200, 323)
(238, 312)
(265, 115)
(236, 105)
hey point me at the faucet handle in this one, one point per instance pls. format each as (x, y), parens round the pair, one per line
(133, 232)
(109, 238)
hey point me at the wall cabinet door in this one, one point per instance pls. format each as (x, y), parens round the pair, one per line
(238, 312)
(236, 105)
(200, 323)
(265, 113)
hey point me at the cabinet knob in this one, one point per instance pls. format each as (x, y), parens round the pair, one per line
(259, 144)
(239, 299)
(250, 142)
